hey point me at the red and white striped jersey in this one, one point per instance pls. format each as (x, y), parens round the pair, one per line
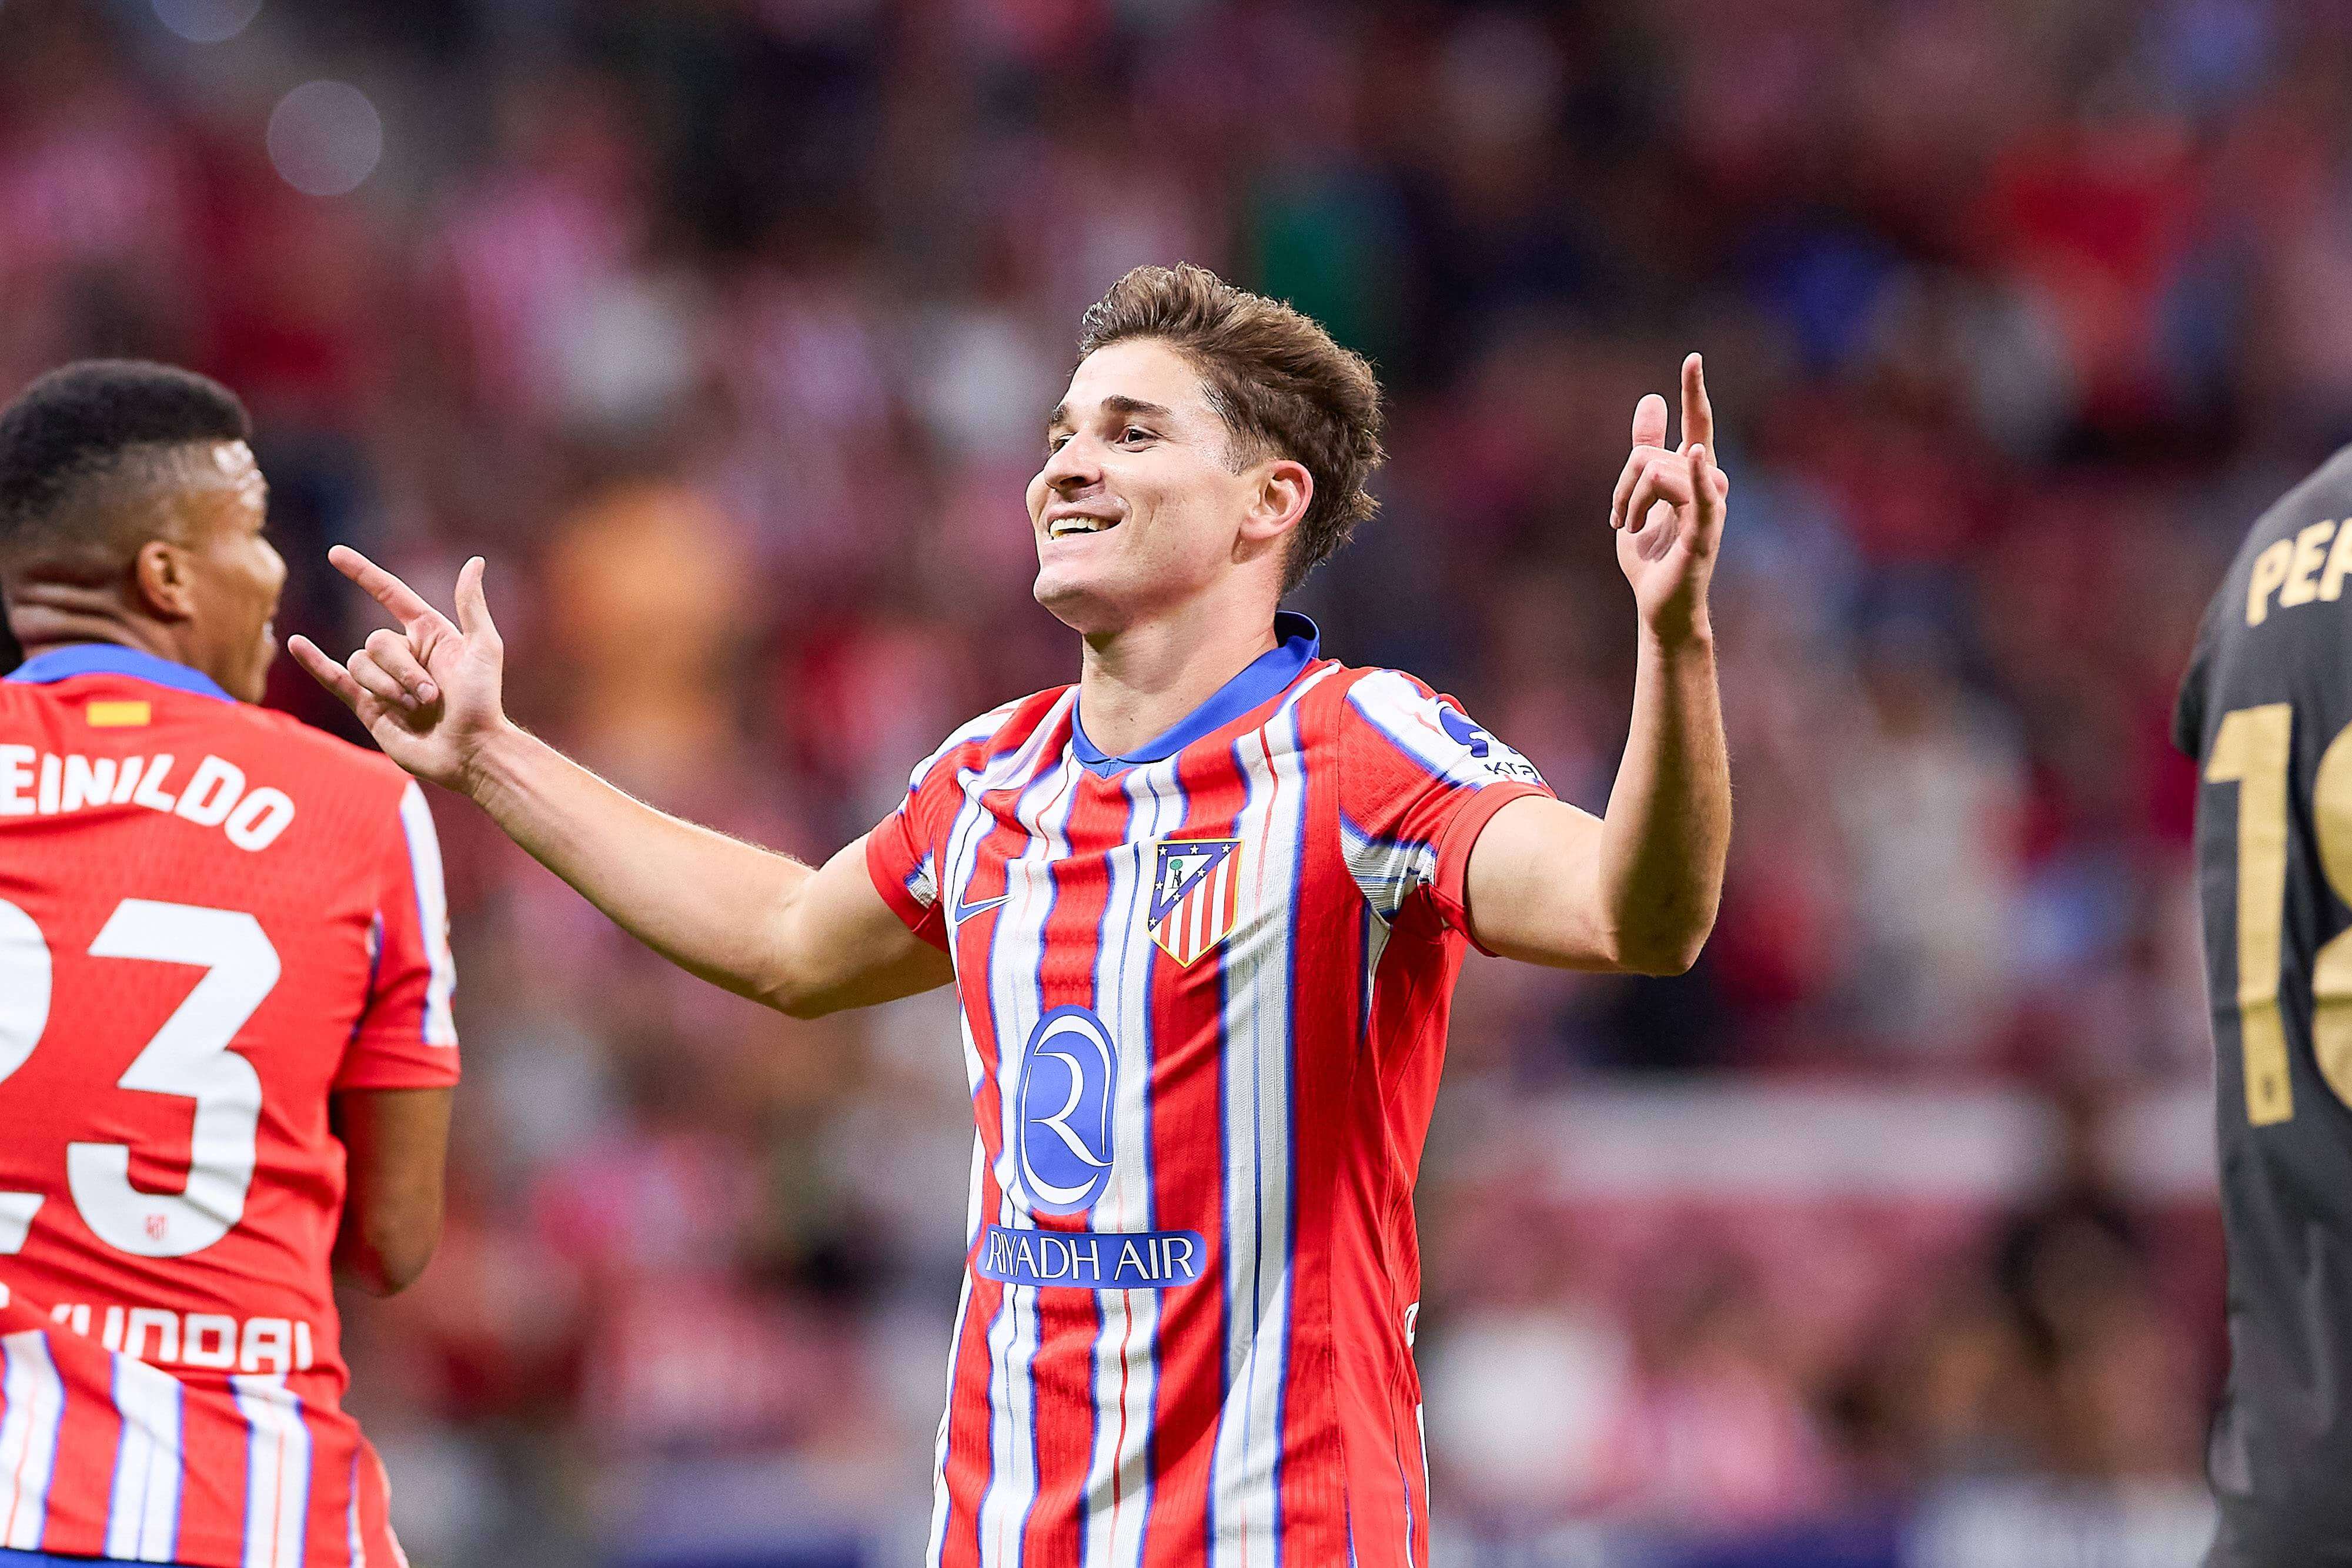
(1204, 990)
(212, 919)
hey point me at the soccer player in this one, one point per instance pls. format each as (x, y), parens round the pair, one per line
(2266, 710)
(1203, 910)
(226, 1049)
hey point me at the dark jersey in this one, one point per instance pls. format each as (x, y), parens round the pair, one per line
(2266, 710)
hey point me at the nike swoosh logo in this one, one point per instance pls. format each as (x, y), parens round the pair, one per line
(966, 910)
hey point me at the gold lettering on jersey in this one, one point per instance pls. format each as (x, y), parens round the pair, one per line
(2251, 750)
(214, 795)
(2339, 561)
(2304, 569)
(119, 715)
(2301, 585)
(2331, 967)
(2270, 571)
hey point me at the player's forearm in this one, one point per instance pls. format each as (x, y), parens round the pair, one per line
(711, 904)
(1668, 826)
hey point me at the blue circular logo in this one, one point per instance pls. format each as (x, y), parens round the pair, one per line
(1457, 725)
(1062, 1130)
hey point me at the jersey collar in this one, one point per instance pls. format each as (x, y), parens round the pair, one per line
(1266, 676)
(114, 659)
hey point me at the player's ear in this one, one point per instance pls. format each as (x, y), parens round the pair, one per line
(160, 576)
(1283, 488)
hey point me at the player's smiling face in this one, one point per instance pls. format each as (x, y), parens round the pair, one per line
(1139, 507)
(235, 573)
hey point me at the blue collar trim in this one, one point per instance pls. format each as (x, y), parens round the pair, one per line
(1268, 677)
(114, 659)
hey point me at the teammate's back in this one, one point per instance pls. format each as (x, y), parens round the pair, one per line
(2266, 709)
(226, 1046)
(170, 1186)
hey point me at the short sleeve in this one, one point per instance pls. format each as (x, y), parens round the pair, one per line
(2188, 708)
(1418, 779)
(407, 1036)
(902, 851)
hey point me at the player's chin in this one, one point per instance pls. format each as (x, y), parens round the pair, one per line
(1077, 599)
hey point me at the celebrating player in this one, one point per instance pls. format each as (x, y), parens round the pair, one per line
(2266, 710)
(226, 1049)
(1203, 910)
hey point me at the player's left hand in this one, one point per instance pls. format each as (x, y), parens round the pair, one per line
(430, 693)
(1668, 511)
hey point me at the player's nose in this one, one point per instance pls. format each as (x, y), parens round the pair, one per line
(1072, 466)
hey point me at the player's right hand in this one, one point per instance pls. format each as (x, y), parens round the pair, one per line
(432, 693)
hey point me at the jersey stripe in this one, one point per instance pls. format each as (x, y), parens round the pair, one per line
(143, 1513)
(1071, 1323)
(354, 1544)
(277, 1473)
(1018, 937)
(1029, 771)
(935, 1554)
(35, 1402)
(1188, 1130)
(974, 1400)
(1259, 1145)
(1118, 1482)
(432, 915)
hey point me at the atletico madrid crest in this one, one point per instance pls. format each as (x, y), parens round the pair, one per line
(1194, 891)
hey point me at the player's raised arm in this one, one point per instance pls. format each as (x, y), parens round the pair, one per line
(802, 940)
(1638, 889)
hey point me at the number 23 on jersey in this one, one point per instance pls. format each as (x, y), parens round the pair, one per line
(189, 1057)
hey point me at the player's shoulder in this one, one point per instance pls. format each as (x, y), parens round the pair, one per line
(1399, 719)
(2327, 490)
(243, 732)
(2258, 622)
(1004, 726)
(2321, 496)
(1393, 702)
(329, 758)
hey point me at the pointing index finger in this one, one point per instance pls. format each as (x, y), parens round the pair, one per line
(1698, 414)
(403, 602)
(325, 671)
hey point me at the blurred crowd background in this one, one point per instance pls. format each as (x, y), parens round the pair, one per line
(725, 328)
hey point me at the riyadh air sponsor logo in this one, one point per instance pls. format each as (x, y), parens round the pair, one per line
(1195, 889)
(1062, 1147)
(1092, 1259)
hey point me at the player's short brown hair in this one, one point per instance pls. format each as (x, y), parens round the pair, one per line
(1275, 377)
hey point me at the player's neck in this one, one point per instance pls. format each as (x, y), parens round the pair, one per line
(1141, 681)
(43, 618)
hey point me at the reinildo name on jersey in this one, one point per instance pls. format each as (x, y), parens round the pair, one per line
(213, 795)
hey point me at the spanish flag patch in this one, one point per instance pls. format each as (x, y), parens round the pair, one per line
(119, 715)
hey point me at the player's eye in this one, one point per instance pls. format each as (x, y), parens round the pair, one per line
(1054, 444)
(1135, 433)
